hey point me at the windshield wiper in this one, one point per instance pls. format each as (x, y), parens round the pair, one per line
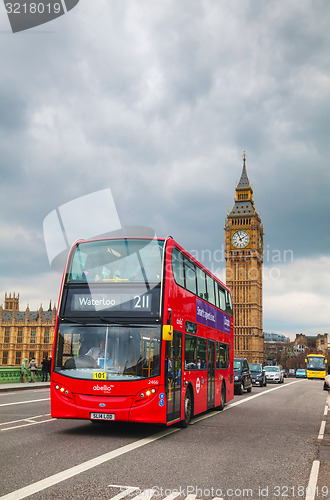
(81, 322)
(106, 320)
(70, 320)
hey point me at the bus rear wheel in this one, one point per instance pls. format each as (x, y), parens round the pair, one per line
(187, 409)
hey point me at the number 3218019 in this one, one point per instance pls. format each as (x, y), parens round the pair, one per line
(33, 8)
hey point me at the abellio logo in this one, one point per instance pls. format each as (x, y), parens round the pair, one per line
(102, 387)
(26, 14)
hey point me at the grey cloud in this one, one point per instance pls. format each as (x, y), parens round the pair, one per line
(158, 101)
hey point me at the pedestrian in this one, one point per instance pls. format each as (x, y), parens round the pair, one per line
(24, 370)
(49, 366)
(327, 386)
(33, 367)
(45, 368)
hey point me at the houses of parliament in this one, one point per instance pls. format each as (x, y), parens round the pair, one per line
(27, 334)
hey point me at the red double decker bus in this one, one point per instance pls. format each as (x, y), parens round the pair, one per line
(144, 333)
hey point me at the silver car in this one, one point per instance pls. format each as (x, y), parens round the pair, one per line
(274, 374)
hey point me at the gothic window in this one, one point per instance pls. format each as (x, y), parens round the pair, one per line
(19, 336)
(33, 336)
(46, 336)
(7, 335)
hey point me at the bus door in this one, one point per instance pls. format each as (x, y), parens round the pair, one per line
(173, 376)
(210, 374)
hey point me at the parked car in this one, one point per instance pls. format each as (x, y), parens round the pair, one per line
(292, 372)
(274, 374)
(258, 374)
(242, 376)
(301, 373)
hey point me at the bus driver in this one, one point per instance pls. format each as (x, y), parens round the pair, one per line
(97, 352)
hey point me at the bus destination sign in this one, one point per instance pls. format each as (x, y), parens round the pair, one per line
(99, 301)
(105, 300)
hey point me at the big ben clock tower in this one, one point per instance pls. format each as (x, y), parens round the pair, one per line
(244, 256)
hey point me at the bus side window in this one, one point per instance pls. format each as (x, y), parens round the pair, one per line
(201, 283)
(222, 299)
(190, 275)
(177, 267)
(210, 289)
(222, 355)
(229, 306)
(216, 296)
(201, 354)
(190, 353)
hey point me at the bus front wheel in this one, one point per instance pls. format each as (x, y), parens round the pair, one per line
(187, 409)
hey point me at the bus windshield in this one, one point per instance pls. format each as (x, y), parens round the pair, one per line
(121, 260)
(122, 352)
(316, 363)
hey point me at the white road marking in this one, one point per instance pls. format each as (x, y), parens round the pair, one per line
(85, 466)
(125, 491)
(145, 495)
(326, 408)
(311, 488)
(23, 419)
(245, 400)
(25, 402)
(148, 493)
(172, 496)
(322, 429)
(27, 424)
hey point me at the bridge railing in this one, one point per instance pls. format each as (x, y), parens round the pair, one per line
(13, 374)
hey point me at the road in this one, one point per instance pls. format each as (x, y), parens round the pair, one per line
(263, 445)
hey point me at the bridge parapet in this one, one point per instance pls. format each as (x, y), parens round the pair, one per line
(13, 374)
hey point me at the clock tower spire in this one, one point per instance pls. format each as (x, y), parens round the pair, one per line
(244, 257)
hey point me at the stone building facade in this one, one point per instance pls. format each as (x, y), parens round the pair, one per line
(25, 334)
(317, 343)
(244, 257)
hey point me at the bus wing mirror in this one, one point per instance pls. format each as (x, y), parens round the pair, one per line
(305, 360)
(167, 332)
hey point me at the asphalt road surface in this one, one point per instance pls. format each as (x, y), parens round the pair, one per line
(272, 443)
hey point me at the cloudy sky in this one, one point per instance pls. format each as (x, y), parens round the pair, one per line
(157, 100)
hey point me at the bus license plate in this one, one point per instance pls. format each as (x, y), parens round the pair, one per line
(102, 416)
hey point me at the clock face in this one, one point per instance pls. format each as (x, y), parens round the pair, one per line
(240, 239)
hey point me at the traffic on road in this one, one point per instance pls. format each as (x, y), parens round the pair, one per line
(265, 444)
